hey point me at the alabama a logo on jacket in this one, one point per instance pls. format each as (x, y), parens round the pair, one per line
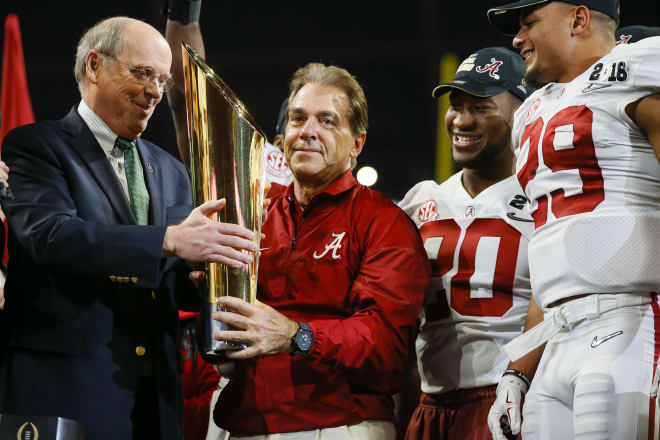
(334, 246)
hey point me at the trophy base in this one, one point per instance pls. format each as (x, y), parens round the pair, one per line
(212, 350)
(221, 346)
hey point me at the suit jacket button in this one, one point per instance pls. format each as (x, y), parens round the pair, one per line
(134, 280)
(140, 350)
(126, 279)
(153, 294)
(112, 278)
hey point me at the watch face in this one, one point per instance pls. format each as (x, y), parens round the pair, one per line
(304, 341)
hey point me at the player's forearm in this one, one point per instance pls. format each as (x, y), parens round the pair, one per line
(190, 34)
(181, 129)
(528, 363)
(175, 33)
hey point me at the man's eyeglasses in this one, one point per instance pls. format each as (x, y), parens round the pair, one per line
(144, 75)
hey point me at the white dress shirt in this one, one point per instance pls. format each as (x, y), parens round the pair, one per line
(106, 139)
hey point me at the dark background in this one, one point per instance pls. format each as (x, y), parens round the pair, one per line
(393, 48)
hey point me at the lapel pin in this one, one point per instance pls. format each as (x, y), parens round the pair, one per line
(150, 168)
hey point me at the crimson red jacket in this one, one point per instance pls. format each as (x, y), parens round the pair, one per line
(199, 379)
(353, 267)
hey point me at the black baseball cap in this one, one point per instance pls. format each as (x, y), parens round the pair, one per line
(632, 34)
(506, 18)
(489, 72)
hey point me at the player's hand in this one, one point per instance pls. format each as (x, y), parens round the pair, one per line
(262, 328)
(266, 204)
(196, 275)
(4, 173)
(507, 407)
(655, 385)
(200, 239)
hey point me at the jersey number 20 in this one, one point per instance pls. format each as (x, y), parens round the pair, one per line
(504, 262)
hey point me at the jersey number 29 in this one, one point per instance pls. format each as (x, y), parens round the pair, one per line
(580, 155)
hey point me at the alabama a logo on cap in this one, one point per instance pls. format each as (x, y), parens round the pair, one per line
(491, 68)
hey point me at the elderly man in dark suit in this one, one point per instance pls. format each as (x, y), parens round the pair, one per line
(101, 229)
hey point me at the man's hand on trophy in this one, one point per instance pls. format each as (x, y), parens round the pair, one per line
(263, 329)
(200, 239)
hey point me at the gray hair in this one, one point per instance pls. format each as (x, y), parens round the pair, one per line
(106, 37)
(340, 78)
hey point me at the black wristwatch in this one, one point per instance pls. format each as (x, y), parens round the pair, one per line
(303, 341)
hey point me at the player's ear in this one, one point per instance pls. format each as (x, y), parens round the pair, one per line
(580, 19)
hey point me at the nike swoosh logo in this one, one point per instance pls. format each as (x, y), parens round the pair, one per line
(597, 341)
(513, 216)
(593, 86)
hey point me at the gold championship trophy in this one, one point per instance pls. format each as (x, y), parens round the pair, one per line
(226, 161)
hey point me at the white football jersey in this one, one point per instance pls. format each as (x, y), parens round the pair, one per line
(277, 169)
(479, 290)
(592, 179)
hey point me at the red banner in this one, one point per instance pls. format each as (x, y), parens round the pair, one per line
(15, 105)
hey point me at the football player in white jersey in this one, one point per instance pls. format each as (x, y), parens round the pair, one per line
(475, 229)
(587, 146)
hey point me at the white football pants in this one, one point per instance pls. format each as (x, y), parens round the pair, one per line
(593, 380)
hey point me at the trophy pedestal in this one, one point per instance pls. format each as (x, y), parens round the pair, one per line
(211, 350)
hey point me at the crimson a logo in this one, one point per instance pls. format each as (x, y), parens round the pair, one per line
(532, 109)
(624, 39)
(491, 68)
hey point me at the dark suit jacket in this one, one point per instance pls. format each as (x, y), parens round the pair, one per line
(90, 305)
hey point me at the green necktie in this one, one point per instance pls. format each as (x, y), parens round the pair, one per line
(137, 190)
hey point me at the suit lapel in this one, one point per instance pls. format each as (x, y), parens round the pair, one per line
(154, 180)
(83, 141)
